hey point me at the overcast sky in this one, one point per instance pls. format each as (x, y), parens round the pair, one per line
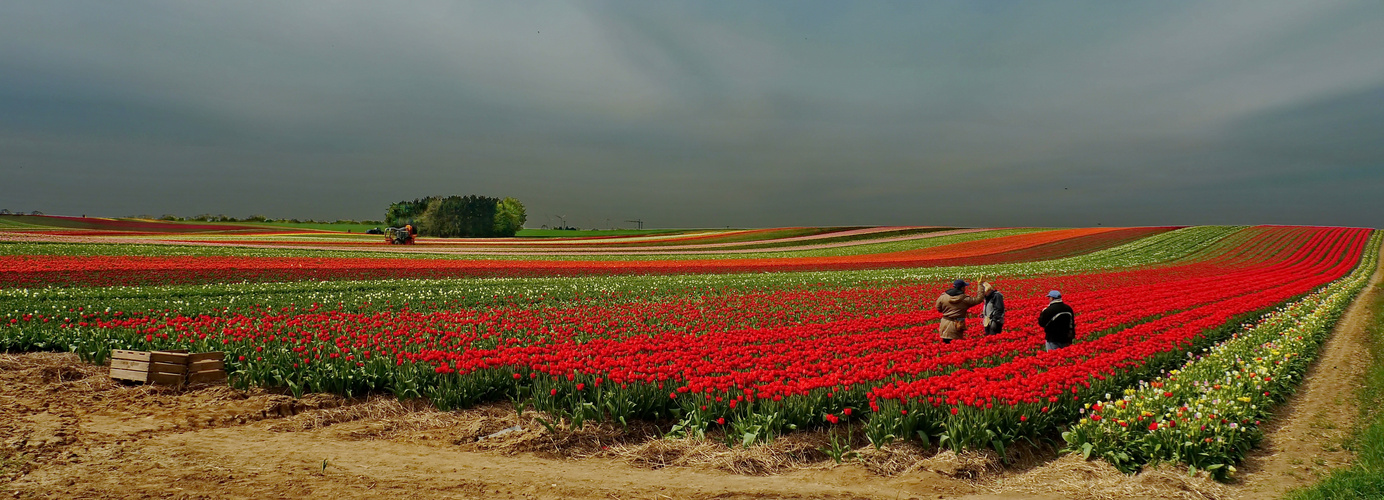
(701, 114)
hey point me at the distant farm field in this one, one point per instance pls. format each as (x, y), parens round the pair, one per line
(1185, 337)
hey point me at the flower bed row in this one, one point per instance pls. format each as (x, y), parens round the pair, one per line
(768, 360)
(970, 392)
(1208, 413)
(37, 314)
(1030, 395)
(109, 270)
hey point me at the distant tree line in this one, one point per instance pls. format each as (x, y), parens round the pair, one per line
(254, 218)
(224, 218)
(459, 216)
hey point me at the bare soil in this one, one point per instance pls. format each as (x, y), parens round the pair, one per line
(68, 431)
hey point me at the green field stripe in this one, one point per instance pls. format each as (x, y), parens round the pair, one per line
(480, 292)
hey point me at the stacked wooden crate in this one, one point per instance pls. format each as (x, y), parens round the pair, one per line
(168, 367)
(206, 367)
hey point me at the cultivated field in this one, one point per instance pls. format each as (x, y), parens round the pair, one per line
(790, 362)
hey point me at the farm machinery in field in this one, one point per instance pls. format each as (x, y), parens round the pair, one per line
(399, 235)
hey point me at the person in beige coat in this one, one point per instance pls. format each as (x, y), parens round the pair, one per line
(953, 306)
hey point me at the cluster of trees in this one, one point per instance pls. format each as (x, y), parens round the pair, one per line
(459, 216)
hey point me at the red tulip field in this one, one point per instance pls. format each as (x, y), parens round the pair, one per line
(739, 335)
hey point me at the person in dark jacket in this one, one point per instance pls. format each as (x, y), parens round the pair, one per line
(992, 316)
(1058, 322)
(954, 305)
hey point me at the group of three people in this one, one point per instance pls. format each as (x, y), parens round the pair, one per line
(1057, 319)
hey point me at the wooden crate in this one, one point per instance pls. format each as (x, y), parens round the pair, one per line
(207, 377)
(206, 368)
(130, 375)
(168, 367)
(144, 366)
(206, 356)
(206, 365)
(169, 357)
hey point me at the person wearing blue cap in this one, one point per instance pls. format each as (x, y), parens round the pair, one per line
(1058, 321)
(954, 305)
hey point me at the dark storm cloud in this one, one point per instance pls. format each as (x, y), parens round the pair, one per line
(701, 114)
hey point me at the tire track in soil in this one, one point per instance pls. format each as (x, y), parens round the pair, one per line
(1303, 441)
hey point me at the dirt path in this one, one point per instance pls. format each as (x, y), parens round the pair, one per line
(1304, 440)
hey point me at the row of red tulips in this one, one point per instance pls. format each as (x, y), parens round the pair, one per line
(799, 355)
(472, 336)
(768, 360)
(1208, 413)
(972, 407)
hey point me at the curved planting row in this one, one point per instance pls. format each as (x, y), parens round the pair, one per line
(1032, 394)
(533, 306)
(107, 270)
(671, 240)
(1208, 413)
(768, 360)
